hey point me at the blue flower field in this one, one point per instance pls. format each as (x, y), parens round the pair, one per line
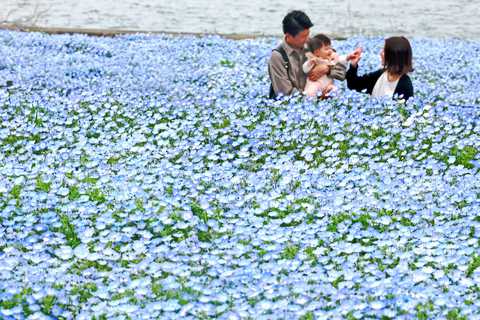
(148, 177)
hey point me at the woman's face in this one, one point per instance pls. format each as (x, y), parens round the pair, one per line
(382, 56)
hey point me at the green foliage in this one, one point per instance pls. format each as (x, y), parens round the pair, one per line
(307, 316)
(113, 160)
(337, 281)
(474, 264)
(19, 299)
(73, 193)
(177, 234)
(199, 212)
(16, 193)
(227, 63)
(182, 295)
(47, 304)
(454, 314)
(68, 230)
(336, 220)
(423, 310)
(139, 204)
(290, 252)
(225, 123)
(82, 265)
(41, 185)
(204, 236)
(96, 195)
(13, 139)
(464, 156)
(84, 291)
(90, 180)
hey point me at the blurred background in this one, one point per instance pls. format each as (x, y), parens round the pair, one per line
(340, 18)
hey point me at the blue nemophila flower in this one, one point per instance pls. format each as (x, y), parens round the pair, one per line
(151, 171)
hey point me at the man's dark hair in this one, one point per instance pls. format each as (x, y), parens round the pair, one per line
(317, 42)
(295, 22)
(398, 55)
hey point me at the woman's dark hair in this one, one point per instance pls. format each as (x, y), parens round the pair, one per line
(295, 22)
(318, 41)
(398, 56)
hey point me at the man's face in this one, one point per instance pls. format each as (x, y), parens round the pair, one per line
(299, 40)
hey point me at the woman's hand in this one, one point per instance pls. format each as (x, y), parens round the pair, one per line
(319, 71)
(355, 57)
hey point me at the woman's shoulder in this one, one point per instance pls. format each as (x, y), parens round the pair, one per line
(378, 73)
(374, 74)
(405, 80)
(357, 67)
(405, 87)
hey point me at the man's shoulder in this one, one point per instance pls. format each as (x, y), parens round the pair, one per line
(275, 53)
(276, 56)
(278, 49)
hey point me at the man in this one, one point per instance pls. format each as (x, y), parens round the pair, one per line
(285, 64)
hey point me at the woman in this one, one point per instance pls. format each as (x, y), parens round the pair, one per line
(392, 80)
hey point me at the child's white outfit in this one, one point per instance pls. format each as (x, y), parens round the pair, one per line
(313, 88)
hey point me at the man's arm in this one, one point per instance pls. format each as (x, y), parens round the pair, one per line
(338, 71)
(278, 75)
(318, 71)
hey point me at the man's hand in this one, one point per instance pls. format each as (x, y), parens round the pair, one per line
(319, 71)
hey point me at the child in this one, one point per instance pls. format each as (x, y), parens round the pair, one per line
(392, 79)
(320, 52)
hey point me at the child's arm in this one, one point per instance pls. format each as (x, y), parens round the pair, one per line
(309, 55)
(309, 64)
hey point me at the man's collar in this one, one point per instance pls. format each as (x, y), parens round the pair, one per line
(289, 49)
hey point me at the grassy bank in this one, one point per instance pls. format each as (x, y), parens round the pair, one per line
(113, 33)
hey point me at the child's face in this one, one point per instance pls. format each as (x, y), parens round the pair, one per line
(324, 52)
